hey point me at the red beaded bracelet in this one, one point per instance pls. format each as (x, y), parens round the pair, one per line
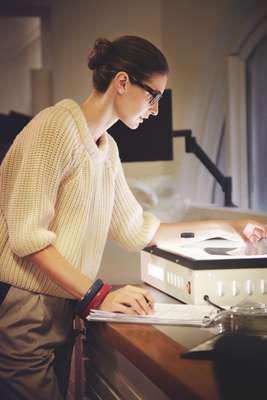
(97, 300)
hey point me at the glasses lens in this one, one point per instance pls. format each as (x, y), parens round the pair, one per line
(154, 98)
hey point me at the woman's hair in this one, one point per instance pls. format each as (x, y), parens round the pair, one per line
(132, 54)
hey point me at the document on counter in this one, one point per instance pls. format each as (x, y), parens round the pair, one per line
(164, 314)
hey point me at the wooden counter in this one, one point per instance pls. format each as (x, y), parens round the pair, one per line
(129, 361)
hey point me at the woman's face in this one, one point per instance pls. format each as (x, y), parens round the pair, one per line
(134, 105)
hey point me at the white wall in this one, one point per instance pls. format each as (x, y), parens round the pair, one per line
(191, 42)
(21, 53)
(198, 38)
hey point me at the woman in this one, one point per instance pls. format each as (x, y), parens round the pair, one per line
(63, 193)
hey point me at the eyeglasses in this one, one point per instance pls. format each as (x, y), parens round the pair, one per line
(154, 95)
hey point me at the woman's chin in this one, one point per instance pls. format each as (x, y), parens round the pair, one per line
(132, 124)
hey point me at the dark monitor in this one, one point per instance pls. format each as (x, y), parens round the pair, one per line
(152, 140)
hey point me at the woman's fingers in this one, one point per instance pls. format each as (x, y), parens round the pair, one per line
(137, 306)
(143, 306)
(254, 231)
(130, 300)
(122, 309)
(136, 302)
(143, 295)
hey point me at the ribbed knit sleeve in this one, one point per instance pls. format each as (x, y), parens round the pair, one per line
(31, 174)
(131, 227)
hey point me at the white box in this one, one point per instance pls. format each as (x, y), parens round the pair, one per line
(225, 281)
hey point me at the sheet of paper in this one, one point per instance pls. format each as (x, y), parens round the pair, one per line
(169, 314)
(218, 249)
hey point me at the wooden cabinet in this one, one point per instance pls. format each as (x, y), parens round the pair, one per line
(130, 362)
(140, 362)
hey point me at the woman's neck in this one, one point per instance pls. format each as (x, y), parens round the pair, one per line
(99, 113)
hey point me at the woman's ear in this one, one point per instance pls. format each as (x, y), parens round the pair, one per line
(121, 82)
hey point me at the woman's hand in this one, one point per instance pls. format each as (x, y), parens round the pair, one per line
(129, 300)
(250, 230)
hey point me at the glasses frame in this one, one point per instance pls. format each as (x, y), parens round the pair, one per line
(155, 94)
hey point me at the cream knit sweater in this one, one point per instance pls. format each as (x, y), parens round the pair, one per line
(58, 187)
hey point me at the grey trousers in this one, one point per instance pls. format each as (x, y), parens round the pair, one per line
(36, 341)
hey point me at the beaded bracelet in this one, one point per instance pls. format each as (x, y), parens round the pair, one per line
(89, 295)
(96, 301)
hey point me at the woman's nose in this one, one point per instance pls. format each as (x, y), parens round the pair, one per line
(154, 109)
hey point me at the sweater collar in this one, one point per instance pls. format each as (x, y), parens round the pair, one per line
(97, 152)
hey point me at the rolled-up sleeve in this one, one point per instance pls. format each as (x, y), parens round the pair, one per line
(131, 227)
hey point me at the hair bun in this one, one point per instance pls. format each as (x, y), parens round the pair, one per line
(100, 53)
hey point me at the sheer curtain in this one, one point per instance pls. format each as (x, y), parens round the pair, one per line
(257, 126)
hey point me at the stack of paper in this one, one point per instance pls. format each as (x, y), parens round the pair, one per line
(164, 314)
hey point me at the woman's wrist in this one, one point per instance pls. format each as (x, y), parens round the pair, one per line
(97, 300)
(92, 298)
